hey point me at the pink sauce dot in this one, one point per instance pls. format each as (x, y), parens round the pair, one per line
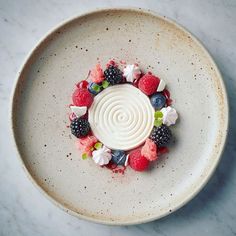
(122, 62)
(166, 93)
(115, 169)
(162, 150)
(111, 166)
(111, 63)
(169, 102)
(72, 116)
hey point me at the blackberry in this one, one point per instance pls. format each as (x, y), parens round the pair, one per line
(161, 135)
(113, 75)
(79, 127)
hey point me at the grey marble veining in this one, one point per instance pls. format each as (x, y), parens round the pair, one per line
(24, 211)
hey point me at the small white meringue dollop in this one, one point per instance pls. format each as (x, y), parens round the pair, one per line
(161, 86)
(78, 111)
(131, 73)
(102, 156)
(169, 115)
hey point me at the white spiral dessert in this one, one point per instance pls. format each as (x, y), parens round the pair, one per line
(121, 117)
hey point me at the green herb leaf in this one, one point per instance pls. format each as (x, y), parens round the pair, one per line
(105, 84)
(158, 122)
(96, 88)
(98, 145)
(158, 114)
(84, 156)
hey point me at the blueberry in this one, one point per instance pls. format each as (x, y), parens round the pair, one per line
(118, 157)
(94, 88)
(158, 100)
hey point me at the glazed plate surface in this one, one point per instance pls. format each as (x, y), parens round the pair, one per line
(40, 116)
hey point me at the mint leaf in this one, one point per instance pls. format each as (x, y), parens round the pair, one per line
(158, 122)
(158, 114)
(96, 88)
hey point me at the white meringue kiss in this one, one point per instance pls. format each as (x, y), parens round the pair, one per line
(169, 116)
(102, 156)
(78, 111)
(132, 72)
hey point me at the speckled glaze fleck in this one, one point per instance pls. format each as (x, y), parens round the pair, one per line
(40, 119)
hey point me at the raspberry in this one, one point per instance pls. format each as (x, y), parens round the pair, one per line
(79, 127)
(96, 74)
(148, 84)
(82, 97)
(137, 161)
(149, 150)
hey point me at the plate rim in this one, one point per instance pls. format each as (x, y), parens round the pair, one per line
(189, 196)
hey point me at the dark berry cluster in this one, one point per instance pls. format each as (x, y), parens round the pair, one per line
(79, 127)
(161, 135)
(113, 75)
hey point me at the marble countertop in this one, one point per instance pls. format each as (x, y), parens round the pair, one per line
(24, 211)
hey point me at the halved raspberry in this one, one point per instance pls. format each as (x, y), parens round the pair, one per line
(85, 144)
(96, 74)
(82, 97)
(149, 150)
(148, 84)
(137, 161)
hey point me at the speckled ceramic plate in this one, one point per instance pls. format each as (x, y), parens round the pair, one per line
(40, 119)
